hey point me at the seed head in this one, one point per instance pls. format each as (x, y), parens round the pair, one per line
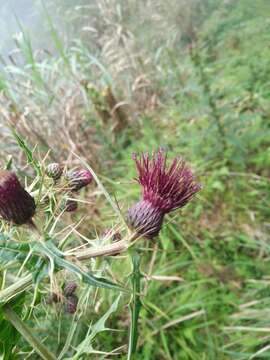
(16, 204)
(77, 179)
(54, 171)
(164, 188)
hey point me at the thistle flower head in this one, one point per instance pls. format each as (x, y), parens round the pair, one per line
(16, 204)
(54, 171)
(164, 188)
(77, 179)
(145, 218)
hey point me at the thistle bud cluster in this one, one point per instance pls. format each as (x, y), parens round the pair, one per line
(73, 181)
(68, 297)
(17, 205)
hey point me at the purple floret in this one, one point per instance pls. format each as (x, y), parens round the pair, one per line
(165, 187)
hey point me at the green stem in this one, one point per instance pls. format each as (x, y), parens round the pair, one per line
(135, 305)
(15, 289)
(27, 333)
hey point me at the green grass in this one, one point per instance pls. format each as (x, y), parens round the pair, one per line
(205, 286)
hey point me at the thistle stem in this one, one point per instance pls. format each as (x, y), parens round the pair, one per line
(15, 289)
(105, 250)
(135, 305)
(109, 249)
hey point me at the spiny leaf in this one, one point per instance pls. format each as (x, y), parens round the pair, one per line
(28, 152)
(52, 252)
(85, 346)
(17, 251)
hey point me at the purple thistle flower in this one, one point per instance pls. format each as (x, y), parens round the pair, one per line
(164, 188)
(16, 204)
(77, 179)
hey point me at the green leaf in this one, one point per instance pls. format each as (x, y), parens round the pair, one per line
(85, 347)
(52, 252)
(18, 251)
(8, 163)
(28, 152)
(10, 250)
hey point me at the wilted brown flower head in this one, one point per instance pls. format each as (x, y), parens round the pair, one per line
(164, 188)
(77, 179)
(16, 204)
(54, 171)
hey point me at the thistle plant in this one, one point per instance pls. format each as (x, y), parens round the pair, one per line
(165, 188)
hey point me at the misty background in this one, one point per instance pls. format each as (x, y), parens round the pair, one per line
(33, 17)
(29, 15)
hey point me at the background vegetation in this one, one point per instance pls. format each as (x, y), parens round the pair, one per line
(124, 76)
